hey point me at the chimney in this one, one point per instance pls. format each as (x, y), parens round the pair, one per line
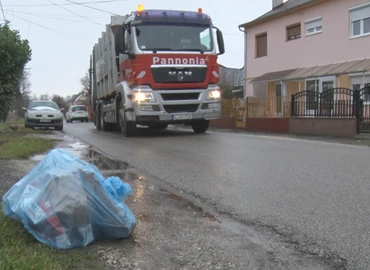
(276, 3)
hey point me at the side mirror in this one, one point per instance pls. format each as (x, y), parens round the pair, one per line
(220, 41)
(119, 40)
(24, 109)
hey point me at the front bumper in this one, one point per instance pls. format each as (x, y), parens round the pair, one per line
(176, 106)
(79, 117)
(32, 122)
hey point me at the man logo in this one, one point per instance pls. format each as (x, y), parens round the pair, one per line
(180, 74)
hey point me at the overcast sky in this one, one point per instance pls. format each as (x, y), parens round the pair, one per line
(61, 41)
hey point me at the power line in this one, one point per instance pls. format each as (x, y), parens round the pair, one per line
(84, 5)
(44, 15)
(74, 13)
(55, 15)
(55, 31)
(67, 4)
(1, 5)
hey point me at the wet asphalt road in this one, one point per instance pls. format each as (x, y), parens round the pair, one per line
(315, 194)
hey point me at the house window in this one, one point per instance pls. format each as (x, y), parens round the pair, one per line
(359, 82)
(311, 98)
(313, 26)
(261, 45)
(293, 32)
(360, 20)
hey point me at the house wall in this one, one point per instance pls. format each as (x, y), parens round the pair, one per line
(338, 127)
(276, 125)
(271, 89)
(224, 122)
(343, 81)
(332, 45)
(292, 88)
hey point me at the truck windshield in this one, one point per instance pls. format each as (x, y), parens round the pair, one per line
(163, 37)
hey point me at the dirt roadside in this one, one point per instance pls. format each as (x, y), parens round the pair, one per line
(174, 233)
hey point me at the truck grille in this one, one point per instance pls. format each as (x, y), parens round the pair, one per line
(185, 108)
(173, 75)
(180, 96)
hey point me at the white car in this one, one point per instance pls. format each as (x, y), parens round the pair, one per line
(77, 113)
(43, 113)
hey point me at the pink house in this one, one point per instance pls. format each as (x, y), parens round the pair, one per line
(308, 45)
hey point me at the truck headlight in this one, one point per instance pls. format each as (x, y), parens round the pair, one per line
(213, 94)
(144, 97)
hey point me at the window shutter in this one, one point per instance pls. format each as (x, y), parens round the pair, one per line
(360, 14)
(314, 24)
(261, 45)
(294, 31)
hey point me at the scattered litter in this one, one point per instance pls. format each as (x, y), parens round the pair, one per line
(65, 202)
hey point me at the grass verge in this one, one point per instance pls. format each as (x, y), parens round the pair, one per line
(19, 250)
(15, 145)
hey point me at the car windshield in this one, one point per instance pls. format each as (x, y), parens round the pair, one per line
(154, 37)
(79, 108)
(50, 104)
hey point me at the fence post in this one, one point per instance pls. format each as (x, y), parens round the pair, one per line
(246, 107)
(321, 101)
(292, 106)
(356, 99)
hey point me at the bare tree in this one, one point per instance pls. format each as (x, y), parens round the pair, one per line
(58, 100)
(44, 97)
(85, 82)
(23, 95)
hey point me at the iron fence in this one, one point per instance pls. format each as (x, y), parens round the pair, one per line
(363, 110)
(335, 102)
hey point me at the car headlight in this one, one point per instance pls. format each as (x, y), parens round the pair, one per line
(143, 97)
(213, 94)
(31, 115)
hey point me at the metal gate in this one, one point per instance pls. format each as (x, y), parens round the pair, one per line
(363, 110)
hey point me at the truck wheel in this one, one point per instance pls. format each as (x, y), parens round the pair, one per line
(128, 128)
(200, 126)
(98, 120)
(104, 125)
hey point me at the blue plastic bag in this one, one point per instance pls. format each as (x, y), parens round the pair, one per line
(65, 202)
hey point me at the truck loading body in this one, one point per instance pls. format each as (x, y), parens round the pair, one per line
(154, 68)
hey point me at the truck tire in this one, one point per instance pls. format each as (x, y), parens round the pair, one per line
(104, 125)
(200, 126)
(128, 128)
(98, 119)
